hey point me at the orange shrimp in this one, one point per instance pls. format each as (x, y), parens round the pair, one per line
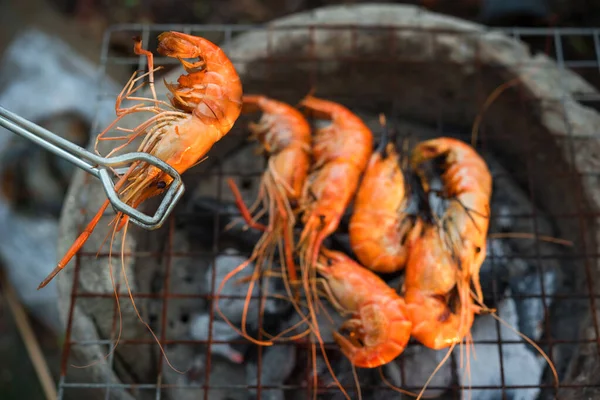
(205, 103)
(341, 153)
(379, 227)
(379, 328)
(447, 256)
(286, 136)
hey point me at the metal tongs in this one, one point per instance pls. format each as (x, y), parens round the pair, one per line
(99, 167)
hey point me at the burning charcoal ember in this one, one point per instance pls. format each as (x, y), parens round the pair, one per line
(414, 367)
(520, 365)
(221, 332)
(278, 362)
(237, 287)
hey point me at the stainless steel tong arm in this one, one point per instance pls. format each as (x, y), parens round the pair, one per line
(99, 167)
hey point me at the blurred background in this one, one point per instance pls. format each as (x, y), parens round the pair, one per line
(49, 52)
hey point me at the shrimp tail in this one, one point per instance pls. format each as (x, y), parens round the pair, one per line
(385, 136)
(211, 90)
(180, 45)
(320, 108)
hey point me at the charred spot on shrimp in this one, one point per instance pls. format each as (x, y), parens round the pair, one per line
(322, 220)
(445, 315)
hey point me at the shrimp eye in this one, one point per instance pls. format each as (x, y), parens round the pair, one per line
(477, 250)
(161, 185)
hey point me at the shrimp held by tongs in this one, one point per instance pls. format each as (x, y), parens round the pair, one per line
(205, 103)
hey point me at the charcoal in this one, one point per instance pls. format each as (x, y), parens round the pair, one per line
(226, 379)
(278, 362)
(198, 219)
(325, 316)
(343, 370)
(221, 332)
(233, 308)
(341, 242)
(512, 262)
(414, 367)
(519, 365)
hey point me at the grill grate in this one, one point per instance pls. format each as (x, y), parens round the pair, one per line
(585, 257)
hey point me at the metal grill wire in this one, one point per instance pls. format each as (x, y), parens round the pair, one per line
(223, 34)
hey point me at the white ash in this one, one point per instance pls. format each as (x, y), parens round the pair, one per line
(226, 379)
(513, 262)
(520, 365)
(221, 331)
(233, 308)
(278, 362)
(419, 362)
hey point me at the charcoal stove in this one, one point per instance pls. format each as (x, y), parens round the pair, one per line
(430, 75)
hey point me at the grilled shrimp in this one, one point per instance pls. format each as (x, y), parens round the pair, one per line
(205, 103)
(286, 137)
(379, 317)
(341, 152)
(379, 226)
(446, 257)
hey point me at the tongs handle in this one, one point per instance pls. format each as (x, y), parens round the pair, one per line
(98, 166)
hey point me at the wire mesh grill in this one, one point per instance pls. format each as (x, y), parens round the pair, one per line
(584, 218)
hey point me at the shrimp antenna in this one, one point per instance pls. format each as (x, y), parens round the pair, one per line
(385, 135)
(311, 93)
